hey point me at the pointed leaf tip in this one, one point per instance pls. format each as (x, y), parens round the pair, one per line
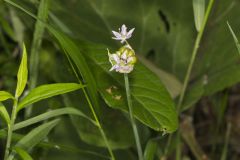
(22, 75)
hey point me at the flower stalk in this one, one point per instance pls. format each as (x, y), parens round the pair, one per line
(134, 126)
(123, 61)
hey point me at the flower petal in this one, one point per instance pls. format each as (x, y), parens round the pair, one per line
(123, 30)
(116, 58)
(129, 34)
(116, 34)
(124, 55)
(113, 68)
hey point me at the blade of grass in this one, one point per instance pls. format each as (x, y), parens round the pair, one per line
(192, 60)
(225, 148)
(36, 46)
(51, 114)
(234, 37)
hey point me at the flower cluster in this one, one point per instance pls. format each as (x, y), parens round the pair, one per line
(124, 59)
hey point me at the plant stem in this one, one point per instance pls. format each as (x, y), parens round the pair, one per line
(194, 53)
(189, 70)
(99, 125)
(36, 46)
(93, 111)
(10, 129)
(134, 126)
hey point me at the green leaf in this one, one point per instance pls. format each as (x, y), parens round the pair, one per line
(199, 12)
(170, 81)
(234, 37)
(158, 36)
(4, 114)
(22, 75)
(37, 41)
(47, 91)
(150, 150)
(72, 51)
(36, 135)
(152, 104)
(56, 146)
(22, 153)
(18, 26)
(5, 95)
(51, 114)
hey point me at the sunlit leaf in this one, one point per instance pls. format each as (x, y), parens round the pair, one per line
(22, 75)
(5, 95)
(51, 114)
(47, 91)
(23, 154)
(4, 114)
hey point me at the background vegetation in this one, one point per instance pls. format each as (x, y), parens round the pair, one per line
(66, 41)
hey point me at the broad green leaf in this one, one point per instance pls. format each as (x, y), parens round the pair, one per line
(199, 12)
(234, 37)
(72, 51)
(36, 135)
(150, 150)
(23, 154)
(4, 114)
(47, 91)
(51, 114)
(159, 34)
(5, 95)
(88, 132)
(171, 82)
(152, 104)
(115, 130)
(22, 75)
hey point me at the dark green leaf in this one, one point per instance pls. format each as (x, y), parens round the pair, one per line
(152, 104)
(72, 51)
(150, 150)
(36, 135)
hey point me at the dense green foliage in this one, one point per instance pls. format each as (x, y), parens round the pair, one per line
(58, 98)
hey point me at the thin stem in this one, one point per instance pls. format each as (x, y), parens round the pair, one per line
(93, 111)
(192, 60)
(194, 53)
(10, 129)
(134, 126)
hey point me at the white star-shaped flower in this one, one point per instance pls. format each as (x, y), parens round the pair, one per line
(123, 34)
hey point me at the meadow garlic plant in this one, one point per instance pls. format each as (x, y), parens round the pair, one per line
(123, 61)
